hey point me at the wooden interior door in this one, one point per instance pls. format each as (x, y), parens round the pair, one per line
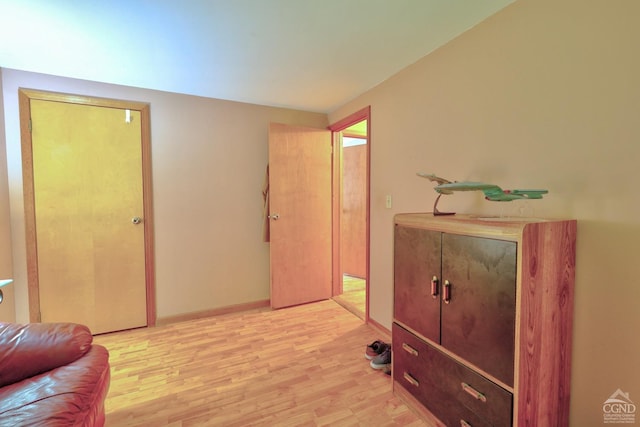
(89, 214)
(353, 225)
(300, 212)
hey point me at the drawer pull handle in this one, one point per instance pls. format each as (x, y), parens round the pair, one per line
(412, 351)
(463, 423)
(473, 392)
(446, 292)
(411, 380)
(434, 287)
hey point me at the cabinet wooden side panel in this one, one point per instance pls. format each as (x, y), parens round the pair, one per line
(546, 316)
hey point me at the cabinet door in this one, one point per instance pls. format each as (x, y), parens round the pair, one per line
(478, 323)
(416, 261)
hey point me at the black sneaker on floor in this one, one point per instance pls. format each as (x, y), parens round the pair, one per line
(383, 360)
(375, 348)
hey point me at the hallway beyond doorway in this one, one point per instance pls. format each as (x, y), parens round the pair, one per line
(353, 296)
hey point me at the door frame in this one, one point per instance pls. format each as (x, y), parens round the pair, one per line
(336, 128)
(25, 96)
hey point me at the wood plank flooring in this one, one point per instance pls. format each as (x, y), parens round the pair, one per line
(299, 366)
(353, 296)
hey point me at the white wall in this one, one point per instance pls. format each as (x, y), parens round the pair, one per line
(208, 165)
(7, 307)
(545, 94)
(5, 229)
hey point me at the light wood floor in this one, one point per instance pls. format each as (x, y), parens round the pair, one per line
(353, 296)
(300, 366)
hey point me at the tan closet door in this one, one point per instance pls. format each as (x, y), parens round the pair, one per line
(300, 208)
(87, 191)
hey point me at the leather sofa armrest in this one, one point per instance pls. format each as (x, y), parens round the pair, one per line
(34, 348)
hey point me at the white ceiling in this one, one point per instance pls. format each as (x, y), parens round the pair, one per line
(311, 55)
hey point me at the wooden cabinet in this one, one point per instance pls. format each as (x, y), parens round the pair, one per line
(482, 318)
(459, 291)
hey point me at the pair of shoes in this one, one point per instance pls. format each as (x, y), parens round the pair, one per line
(383, 361)
(375, 349)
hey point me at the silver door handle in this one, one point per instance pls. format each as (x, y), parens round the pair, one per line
(274, 216)
(136, 220)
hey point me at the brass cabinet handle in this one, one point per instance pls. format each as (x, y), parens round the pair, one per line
(473, 392)
(434, 287)
(411, 380)
(412, 351)
(446, 292)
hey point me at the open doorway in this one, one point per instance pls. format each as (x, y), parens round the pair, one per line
(351, 213)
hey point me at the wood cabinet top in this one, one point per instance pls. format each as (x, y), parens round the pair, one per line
(504, 228)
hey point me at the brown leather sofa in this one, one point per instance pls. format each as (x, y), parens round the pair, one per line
(51, 375)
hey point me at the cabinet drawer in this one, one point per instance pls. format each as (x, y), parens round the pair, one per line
(448, 389)
(454, 414)
(411, 365)
(490, 401)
